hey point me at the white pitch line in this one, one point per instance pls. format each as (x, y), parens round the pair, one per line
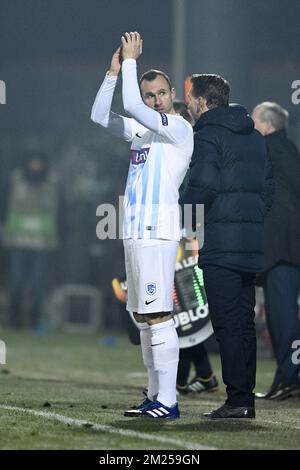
(278, 423)
(106, 428)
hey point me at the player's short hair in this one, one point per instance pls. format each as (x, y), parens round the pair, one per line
(151, 75)
(214, 88)
(273, 113)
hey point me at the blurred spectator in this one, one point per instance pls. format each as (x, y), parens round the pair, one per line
(31, 220)
(282, 277)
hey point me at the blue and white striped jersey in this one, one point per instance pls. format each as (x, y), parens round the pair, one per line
(161, 149)
(156, 171)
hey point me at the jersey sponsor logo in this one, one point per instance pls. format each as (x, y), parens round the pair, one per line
(164, 119)
(151, 288)
(139, 156)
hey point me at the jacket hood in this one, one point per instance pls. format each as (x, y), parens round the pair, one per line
(233, 117)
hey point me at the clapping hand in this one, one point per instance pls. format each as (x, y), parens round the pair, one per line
(116, 60)
(132, 45)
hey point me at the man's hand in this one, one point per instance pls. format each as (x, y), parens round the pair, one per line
(132, 45)
(115, 65)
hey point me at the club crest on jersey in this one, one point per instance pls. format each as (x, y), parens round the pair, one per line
(139, 156)
(151, 288)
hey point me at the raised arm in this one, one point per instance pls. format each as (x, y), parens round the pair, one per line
(175, 130)
(101, 111)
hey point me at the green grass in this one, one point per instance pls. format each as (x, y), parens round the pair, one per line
(82, 378)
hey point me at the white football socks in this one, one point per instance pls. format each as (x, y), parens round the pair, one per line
(165, 350)
(145, 335)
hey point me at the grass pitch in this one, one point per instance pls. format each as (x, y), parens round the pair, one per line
(69, 392)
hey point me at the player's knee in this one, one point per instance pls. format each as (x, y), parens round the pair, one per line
(154, 318)
(139, 318)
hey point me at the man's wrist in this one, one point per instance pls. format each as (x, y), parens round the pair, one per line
(129, 58)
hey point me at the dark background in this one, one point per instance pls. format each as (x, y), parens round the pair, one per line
(53, 56)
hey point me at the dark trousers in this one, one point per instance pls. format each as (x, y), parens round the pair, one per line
(281, 289)
(196, 355)
(231, 301)
(28, 269)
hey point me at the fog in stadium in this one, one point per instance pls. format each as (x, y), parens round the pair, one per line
(71, 303)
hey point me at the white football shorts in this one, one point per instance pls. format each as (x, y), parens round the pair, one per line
(150, 271)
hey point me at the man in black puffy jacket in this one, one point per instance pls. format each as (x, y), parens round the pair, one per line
(231, 174)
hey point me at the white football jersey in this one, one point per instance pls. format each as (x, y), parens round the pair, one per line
(162, 146)
(156, 171)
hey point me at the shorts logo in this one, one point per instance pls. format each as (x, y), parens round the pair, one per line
(151, 288)
(148, 302)
(164, 119)
(139, 156)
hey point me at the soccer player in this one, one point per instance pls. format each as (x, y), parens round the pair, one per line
(162, 145)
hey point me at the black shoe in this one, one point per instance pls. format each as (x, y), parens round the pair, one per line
(285, 391)
(199, 384)
(280, 392)
(232, 412)
(268, 394)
